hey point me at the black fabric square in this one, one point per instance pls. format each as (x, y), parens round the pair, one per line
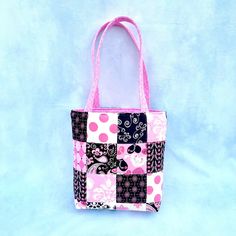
(155, 156)
(101, 158)
(79, 186)
(79, 125)
(132, 128)
(131, 188)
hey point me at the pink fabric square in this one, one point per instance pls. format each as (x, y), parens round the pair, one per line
(101, 188)
(132, 163)
(80, 205)
(154, 187)
(157, 123)
(131, 206)
(102, 127)
(80, 156)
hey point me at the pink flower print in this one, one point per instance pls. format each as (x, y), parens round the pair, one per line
(97, 152)
(90, 160)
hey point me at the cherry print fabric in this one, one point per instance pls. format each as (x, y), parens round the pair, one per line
(118, 160)
(132, 159)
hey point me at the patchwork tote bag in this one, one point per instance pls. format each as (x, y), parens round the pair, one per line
(118, 153)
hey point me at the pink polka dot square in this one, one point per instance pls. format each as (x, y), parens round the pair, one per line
(157, 123)
(102, 127)
(101, 188)
(132, 158)
(154, 187)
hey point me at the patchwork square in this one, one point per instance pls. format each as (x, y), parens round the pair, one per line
(131, 206)
(102, 127)
(101, 188)
(131, 188)
(155, 156)
(79, 186)
(98, 205)
(132, 128)
(80, 205)
(153, 206)
(79, 125)
(157, 123)
(80, 156)
(132, 158)
(101, 158)
(118, 160)
(154, 187)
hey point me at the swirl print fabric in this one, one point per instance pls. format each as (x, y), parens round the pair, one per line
(118, 160)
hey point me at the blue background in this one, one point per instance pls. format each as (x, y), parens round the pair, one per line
(45, 70)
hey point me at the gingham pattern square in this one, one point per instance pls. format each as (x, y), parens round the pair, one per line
(118, 160)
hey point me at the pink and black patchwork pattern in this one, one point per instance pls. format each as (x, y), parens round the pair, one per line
(97, 205)
(131, 188)
(79, 186)
(155, 156)
(153, 206)
(101, 158)
(79, 125)
(132, 128)
(118, 160)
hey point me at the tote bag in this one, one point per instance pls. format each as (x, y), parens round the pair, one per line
(118, 153)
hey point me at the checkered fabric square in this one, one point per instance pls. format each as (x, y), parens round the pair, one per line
(118, 160)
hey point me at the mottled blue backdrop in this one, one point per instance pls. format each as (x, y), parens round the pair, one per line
(45, 70)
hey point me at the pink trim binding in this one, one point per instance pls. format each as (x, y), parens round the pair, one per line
(120, 110)
(145, 76)
(143, 99)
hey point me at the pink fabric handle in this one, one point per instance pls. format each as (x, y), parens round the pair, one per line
(143, 86)
(145, 76)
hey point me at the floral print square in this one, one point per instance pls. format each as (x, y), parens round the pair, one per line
(131, 188)
(102, 127)
(155, 156)
(101, 158)
(132, 128)
(132, 158)
(154, 187)
(79, 162)
(157, 123)
(79, 125)
(101, 188)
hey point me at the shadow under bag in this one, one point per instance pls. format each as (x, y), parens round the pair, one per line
(118, 153)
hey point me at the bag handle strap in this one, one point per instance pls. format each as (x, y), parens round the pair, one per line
(145, 76)
(91, 98)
